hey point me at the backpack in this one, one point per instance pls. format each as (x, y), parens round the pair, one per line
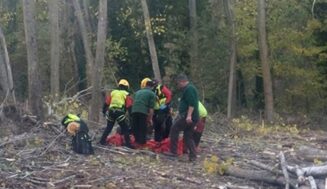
(81, 143)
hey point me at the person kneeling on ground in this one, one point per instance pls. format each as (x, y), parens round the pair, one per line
(77, 128)
(199, 127)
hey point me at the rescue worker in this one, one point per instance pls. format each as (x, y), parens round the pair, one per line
(187, 118)
(144, 81)
(114, 109)
(77, 128)
(162, 119)
(142, 112)
(199, 127)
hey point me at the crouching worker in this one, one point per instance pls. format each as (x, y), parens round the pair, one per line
(114, 108)
(199, 127)
(77, 128)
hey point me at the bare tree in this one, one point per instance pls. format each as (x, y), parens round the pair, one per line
(194, 40)
(263, 48)
(55, 46)
(90, 26)
(99, 62)
(149, 35)
(232, 59)
(34, 82)
(7, 82)
(86, 40)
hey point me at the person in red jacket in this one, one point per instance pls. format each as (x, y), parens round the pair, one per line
(162, 119)
(114, 108)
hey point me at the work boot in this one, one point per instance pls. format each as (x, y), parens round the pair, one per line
(102, 142)
(192, 159)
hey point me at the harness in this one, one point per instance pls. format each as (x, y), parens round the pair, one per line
(161, 98)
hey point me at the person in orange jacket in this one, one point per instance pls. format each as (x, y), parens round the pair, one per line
(114, 109)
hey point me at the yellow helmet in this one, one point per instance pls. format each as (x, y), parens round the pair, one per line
(144, 81)
(70, 118)
(123, 82)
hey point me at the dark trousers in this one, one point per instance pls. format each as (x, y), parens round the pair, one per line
(197, 138)
(119, 116)
(162, 122)
(139, 127)
(188, 129)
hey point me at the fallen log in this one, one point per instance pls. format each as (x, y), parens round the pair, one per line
(284, 169)
(315, 171)
(265, 167)
(310, 153)
(16, 138)
(263, 176)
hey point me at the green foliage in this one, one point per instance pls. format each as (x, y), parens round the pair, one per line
(244, 125)
(210, 165)
(297, 49)
(213, 165)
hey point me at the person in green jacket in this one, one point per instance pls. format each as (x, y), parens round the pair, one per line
(142, 112)
(187, 118)
(199, 127)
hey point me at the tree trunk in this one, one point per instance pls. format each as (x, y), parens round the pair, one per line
(7, 76)
(149, 35)
(232, 60)
(55, 46)
(86, 40)
(99, 62)
(263, 48)
(194, 39)
(89, 24)
(34, 82)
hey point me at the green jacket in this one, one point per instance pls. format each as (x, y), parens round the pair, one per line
(189, 98)
(144, 99)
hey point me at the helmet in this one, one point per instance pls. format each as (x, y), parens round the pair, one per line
(70, 118)
(123, 82)
(144, 81)
(155, 82)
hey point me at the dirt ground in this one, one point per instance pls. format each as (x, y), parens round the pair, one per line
(37, 155)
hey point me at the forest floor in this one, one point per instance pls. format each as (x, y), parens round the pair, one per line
(38, 155)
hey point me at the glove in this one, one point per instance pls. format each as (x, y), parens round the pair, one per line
(162, 107)
(104, 109)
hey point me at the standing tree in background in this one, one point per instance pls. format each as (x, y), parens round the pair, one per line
(86, 40)
(149, 35)
(97, 68)
(7, 83)
(263, 48)
(194, 40)
(232, 60)
(55, 46)
(34, 82)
